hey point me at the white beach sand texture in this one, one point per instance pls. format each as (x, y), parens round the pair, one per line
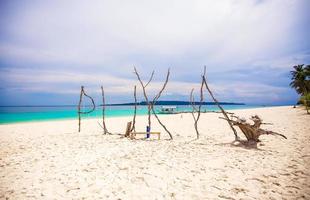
(51, 160)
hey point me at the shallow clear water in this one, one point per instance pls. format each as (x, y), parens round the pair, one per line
(25, 114)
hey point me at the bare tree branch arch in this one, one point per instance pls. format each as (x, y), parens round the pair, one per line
(82, 93)
(151, 104)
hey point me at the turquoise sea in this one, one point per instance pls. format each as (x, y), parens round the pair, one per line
(14, 114)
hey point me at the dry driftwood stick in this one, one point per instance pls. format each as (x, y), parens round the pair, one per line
(196, 119)
(201, 89)
(162, 124)
(220, 107)
(79, 107)
(154, 102)
(145, 95)
(151, 78)
(192, 102)
(193, 112)
(163, 88)
(80, 103)
(104, 126)
(135, 110)
(92, 101)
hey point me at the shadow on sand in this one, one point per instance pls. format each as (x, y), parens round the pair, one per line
(242, 144)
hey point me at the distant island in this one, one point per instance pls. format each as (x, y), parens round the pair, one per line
(173, 103)
(141, 103)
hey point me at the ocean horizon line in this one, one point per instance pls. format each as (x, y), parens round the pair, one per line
(140, 103)
(59, 106)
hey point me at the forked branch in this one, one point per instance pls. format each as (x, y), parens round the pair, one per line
(151, 103)
(145, 95)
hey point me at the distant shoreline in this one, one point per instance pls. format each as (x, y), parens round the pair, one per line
(175, 103)
(8, 117)
(142, 103)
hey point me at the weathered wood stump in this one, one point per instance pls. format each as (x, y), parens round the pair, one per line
(253, 131)
(128, 129)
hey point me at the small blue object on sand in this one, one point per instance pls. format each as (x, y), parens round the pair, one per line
(148, 131)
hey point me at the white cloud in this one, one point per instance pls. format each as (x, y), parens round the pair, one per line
(60, 45)
(30, 80)
(103, 32)
(62, 82)
(285, 62)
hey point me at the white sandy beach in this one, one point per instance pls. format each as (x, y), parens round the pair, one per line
(51, 160)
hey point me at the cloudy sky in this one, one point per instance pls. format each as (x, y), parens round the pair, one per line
(49, 48)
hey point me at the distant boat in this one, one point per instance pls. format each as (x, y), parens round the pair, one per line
(168, 110)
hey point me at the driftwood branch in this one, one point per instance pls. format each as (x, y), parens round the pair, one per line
(194, 109)
(92, 101)
(104, 126)
(252, 131)
(156, 116)
(135, 110)
(79, 108)
(151, 78)
(220, 107)
(145, 95)
(196, 119)
(80, 103)
(163, 88)
(154, 102)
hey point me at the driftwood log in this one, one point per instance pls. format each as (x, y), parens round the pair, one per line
(252, 131)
